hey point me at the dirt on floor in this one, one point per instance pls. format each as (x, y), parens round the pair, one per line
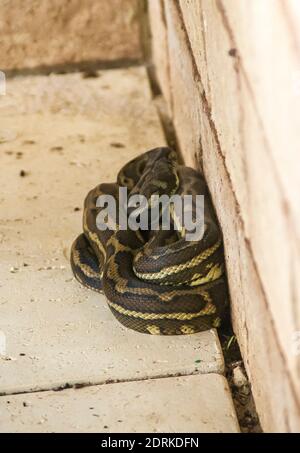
(239, 383)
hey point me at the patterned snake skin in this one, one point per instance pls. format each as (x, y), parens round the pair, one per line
(156, 281)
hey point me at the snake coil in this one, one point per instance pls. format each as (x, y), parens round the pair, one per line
(155, 281)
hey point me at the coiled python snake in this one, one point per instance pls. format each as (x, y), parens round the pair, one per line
(154, 281)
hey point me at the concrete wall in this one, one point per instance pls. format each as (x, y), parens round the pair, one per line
(40, 32)
(230, 73)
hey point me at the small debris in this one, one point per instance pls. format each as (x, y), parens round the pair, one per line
(56, 148)
(242, 397)
(232, 52)
(230, 342)
(79, 385)
(25, 404)
(7, 358)
(34, 357)
(238, 381)
(77, 163)
(90, 74)
(50, 268)
(23, 173)
(42, 421)
(76, 209)
(117, 145)
(14, 270)
(29, 142)
(239, 378)
(62, 387)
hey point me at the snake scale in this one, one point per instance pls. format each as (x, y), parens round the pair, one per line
(154, 281)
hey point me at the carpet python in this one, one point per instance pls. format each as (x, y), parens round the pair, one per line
(154, 281)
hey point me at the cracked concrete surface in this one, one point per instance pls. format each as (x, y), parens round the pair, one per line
(59, 136)
(158, 405)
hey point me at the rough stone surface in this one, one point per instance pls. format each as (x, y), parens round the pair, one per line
(236, 112)
(160, 49)
(36, 33)
(181, 404)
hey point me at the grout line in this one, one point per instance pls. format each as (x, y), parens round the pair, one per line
(77, 385)
(63, 68)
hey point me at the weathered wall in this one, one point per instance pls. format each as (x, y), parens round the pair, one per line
(230, 72)
(35, 32)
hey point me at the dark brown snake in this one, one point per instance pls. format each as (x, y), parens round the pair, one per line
(154, 281)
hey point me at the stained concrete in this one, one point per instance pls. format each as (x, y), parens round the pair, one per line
(184, 404)
(60, 136)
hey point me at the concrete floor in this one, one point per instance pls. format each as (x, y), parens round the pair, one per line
(59, 136)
